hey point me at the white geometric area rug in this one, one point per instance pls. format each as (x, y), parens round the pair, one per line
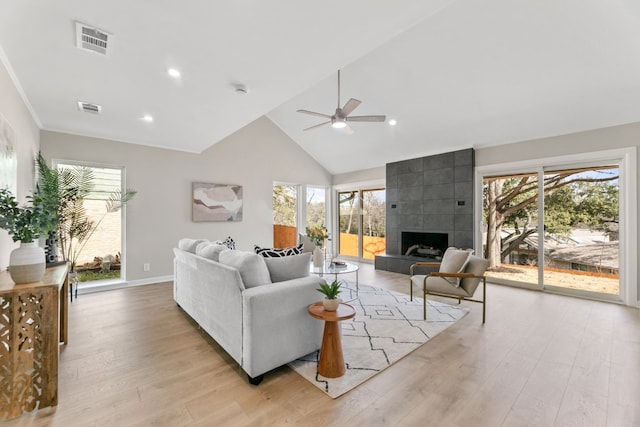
(387, 326)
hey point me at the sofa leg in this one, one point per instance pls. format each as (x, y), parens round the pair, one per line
(255, 380)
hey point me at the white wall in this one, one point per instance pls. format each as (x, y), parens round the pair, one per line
(361, 176)
(580, 142)
(160, 214)
(27, 144)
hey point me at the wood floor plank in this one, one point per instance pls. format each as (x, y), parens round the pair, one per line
(135, 358)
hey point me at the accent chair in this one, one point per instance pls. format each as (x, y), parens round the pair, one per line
(458, 277)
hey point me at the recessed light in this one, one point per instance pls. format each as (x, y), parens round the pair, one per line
(147, 118)
(393, 122)
(174, 73)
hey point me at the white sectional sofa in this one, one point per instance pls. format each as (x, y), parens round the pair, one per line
(254, 307)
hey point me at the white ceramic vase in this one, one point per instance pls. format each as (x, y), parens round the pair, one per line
(27, 263)
(331, 304)
(318, 257)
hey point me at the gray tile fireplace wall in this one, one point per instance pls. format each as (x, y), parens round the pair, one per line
(431, 194)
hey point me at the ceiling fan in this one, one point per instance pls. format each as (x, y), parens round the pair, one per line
(341, 117)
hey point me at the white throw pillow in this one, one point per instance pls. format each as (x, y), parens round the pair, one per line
(252, 267)
(307, 243)
(288, 267)
(454, 261)
(190, 245)
(210, 251)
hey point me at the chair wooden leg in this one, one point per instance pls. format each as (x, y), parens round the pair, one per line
(424, 304)
(410, 289)
(484, 298)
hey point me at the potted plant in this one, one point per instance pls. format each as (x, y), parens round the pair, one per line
(25, 224)
(331, 292)
(317, 234)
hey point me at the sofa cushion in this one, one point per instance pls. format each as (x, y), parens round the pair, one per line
(252, 267)
(288, 267)
(228, 242)
(190, 245)
(276, 252)
(454, 261)
(210, 250)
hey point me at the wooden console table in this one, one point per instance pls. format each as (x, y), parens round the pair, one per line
(33, 321)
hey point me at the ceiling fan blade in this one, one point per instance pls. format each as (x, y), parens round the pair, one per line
(313, 113)
(350, 106)
(348, 130)
(319, 125)
(366, 118)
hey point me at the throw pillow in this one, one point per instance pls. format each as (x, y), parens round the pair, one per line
(307, 243)
(189, 245)
(288, 267)
(454, 261)
(210, 251)
(251, 267)
(476, 266)
(228, 242)
(277, 253)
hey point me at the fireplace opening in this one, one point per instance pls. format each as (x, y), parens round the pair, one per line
(425, 245)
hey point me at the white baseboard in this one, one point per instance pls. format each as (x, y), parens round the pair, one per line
(108, 285)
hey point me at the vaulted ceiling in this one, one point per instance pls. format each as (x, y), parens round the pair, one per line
(454, 74)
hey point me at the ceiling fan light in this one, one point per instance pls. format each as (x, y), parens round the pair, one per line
(338, 123)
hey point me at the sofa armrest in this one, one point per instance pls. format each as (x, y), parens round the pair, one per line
(277, 327)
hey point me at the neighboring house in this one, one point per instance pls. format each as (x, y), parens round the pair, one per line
(583, 250)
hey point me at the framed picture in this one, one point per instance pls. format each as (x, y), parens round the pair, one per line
(8, 156)
(216, 202)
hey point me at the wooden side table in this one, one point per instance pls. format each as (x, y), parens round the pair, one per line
(331, 364)
(33, 320)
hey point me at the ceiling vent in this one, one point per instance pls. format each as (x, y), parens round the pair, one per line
(88, 107)
(93, 39)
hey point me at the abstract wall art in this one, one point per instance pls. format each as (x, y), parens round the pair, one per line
(216, 202)
(8, 156)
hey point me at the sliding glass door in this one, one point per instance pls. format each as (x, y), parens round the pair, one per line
(373, 217)
(555, 229)
(349, 230)
(510, 223)
(361, 215)
(581, 220)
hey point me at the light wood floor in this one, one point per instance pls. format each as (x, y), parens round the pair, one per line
(134, 358)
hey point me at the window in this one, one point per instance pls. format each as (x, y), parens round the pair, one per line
(285, 215)
(98, 253)
(316, 206)
(287, 210)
